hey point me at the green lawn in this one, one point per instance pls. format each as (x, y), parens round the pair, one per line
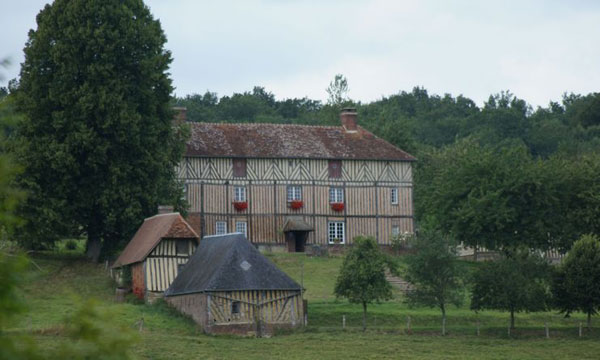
(64, 279)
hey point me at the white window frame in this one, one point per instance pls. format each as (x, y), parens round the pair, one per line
(334, 230)
(395, 230)
(394, 196)
(239, 194)
(241, 227)
(294, 193)
(223, 225)
(336, 195)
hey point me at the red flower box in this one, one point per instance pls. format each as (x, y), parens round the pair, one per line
(337, 206)
(240, 205)
(296, 204)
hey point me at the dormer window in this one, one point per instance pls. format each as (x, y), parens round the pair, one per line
(239, 168)
(335, 169)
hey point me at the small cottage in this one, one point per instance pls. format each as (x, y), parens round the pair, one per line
(156, 254)
(228, 286)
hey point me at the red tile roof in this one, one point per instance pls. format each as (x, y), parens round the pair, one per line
(289, 141)
(149, 235)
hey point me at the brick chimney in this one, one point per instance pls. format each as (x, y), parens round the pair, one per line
(349, 117)
(180, 114)
(165, 209)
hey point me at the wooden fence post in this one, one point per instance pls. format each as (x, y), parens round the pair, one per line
(142, 324)
(477, 327)
(580, 329)
(408, 324)
(547, 330)
(343, 321)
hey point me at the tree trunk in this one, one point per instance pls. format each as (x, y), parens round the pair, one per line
(94, 246)
(364, 316)
(512, 319)
(443, 320)
(589, 321)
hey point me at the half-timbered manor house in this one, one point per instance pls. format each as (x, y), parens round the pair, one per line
(157, 253)
(296, 184)
(228, 286)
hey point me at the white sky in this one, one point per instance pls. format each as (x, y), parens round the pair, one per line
(536, 49)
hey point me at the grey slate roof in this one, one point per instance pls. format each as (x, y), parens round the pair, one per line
(229, 262)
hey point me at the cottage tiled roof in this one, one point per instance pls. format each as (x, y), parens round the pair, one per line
(289, 141)
(154, 229)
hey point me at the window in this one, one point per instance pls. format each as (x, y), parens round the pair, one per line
(182, 246)
(221, 228)
(235, 307)
(395, 230)
(394, 194)
(336, 232)
(239, 194)
(184, 192)
(335, 169)
(294, 193)
(180, 267)
(336, 195)
(242, 227)
(239, 167)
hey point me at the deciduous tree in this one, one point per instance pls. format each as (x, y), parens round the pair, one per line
(514, 284)
(435, 273)
(362, 277)
(97, 142)
(575, 284)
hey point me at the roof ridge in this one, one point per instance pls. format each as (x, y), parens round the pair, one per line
(157, 215)
(273, 124)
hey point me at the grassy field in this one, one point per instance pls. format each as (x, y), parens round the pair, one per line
(63, 279)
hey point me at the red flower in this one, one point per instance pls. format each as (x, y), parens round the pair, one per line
(240, 205)
(296, 204)
(337, 206)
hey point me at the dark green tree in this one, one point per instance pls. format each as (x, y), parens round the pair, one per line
(514, 284)
(97, 142)
(485, 196)
(362, 277)
(575, 284)
(435, 273)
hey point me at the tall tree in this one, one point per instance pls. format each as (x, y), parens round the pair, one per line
(97, 143)
(434, 271)
(362, 277)
(575, 285)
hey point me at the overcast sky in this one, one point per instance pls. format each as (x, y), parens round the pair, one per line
(536, 49)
